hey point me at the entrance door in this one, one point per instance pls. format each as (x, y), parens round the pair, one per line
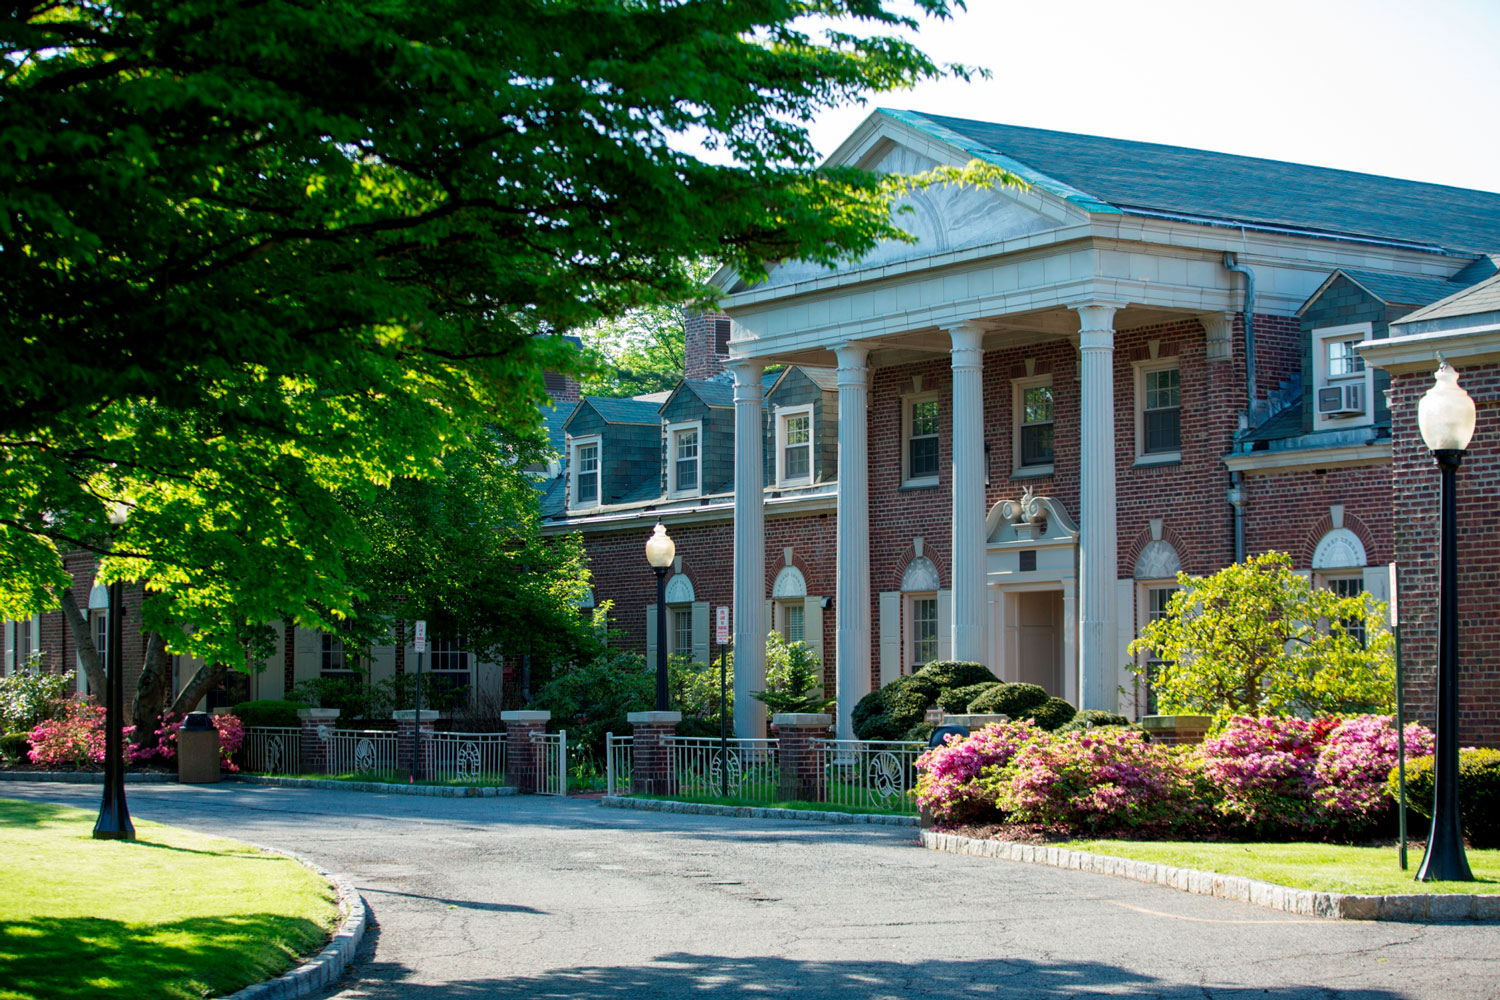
(1039, 639)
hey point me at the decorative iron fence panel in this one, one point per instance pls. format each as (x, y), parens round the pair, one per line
(871, 774)
(747, 771)
(552, 762)
(477, 758)
(273, 749)
(361, 751)
(618, 763)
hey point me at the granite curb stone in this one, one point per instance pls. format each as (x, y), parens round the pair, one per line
(89, 777)
(1409, 907)
(441, 791)
(326, 966)
(754, 812)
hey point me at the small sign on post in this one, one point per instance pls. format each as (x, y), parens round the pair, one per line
(721, 625)
(421, 640)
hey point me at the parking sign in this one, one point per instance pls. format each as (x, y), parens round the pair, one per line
(421, 641)
(721, 625)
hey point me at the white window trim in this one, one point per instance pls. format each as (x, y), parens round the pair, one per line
(573, 445)
(783, 608)
(782, 414)
(907, 402)
(1018, 389)
(909, 620)
(1143, 590)
(1320, 336)
(672, 431)
(1142, 369)
(672, 611)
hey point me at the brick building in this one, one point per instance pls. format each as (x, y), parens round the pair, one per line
(1024, 424)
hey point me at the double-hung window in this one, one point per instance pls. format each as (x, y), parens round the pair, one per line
(793, 617)
(450, 662)
(924, 629)
(1158, 600)
(1033, 423)
(1343, 383)
(1158, 408)
(1349, 586)
(586, 469)
(682, 631)
(685, 458)
(922, 441)
(794, 445)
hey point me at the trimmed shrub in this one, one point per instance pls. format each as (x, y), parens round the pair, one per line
(1014, 700)
(948, 777)
(956, 700)
(889, 713)
(920, 733)
(27, 698)
(1478, 792)
(13, 747)
(1093, 718)
(269, 712)
(1353, 762)
(1051, 714)
(946, 674)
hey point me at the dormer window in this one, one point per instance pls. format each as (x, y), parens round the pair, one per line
(585, 465)
(684, 458)
(1342, 384)
(794, 445)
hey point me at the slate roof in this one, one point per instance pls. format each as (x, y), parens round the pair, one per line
(1147, 178)
(1472, 301)
(1403, 289)
(1284, 423)
(712, 393)
(623, 411)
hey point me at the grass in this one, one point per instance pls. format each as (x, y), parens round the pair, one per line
(1320, 867)
(173, 914)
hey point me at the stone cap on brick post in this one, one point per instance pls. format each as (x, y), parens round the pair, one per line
(797, 763)
(650, 718)
(802, 720)
(973, 722)
(522, 764)
(1176, 729)
(651, 752)
(316, 715)
(409, 715)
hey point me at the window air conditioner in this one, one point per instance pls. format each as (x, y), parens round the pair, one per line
(1334, 400)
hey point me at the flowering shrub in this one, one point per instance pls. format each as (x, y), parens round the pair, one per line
(1262, 770)
(948, 782)
(231, 738)
(73, 736)
(1353, 763)
(29, 697)
(1107, 781)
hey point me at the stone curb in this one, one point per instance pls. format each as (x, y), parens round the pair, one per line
(754, 812)
(89, 777)
(440, 791)
(1415, 907)
(326, 966)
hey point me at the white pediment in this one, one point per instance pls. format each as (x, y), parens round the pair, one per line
(941, 218)
(1339, 549)
(789, 584)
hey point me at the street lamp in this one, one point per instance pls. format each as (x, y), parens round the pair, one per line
(114, 816)
(660, 552)
(1446, 416)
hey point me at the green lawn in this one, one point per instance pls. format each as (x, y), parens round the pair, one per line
(1320, 867)
(173, 914)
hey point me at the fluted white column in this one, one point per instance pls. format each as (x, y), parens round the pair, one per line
(968, 492)
(1097, 556)
(749, 551)
(852, 644)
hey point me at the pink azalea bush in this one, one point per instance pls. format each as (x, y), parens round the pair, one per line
(231, 738)
(1263, 770)
(73, 737)
(948, 782)
(1349, 779)
(1103, 781)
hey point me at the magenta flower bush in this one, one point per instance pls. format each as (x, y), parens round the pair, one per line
(1349, 778)
(73, 737)
(948, 782)
(1101, 781)
(1262, 770)
(231, 738)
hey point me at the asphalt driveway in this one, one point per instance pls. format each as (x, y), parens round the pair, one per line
(533, 897)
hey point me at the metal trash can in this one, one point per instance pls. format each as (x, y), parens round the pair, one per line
(198, 750)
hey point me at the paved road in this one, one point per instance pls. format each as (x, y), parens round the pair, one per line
(539, 898)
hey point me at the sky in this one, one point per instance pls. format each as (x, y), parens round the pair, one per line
(1404, 89)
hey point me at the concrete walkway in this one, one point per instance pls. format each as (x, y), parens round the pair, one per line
(539, 898)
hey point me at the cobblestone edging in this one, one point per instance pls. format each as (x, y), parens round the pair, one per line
(326, 966)
(89, 777)
(754, 812)
(391, 788)
(1415, 907)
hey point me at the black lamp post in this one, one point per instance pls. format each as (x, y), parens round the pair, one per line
(114, 815)
(660, 551)
(1446, 416)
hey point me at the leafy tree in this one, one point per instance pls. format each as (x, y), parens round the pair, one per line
(1255, 638)
(794, 678)
(264, 259)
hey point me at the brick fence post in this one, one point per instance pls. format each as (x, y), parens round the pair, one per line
(314, 747)
(797, 757)
(406, 724)
(1176, 730)
(651, 772)
(522, 766)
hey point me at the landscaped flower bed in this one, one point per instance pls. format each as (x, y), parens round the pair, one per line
(1267, 778)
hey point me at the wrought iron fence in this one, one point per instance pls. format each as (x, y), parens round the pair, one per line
(465, 757)
(746, 770)
(619, 760)
(552, 762)
(869, 774)
(272, 749)
(361, 751)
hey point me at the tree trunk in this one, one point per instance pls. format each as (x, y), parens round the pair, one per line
(197, 686)
(88, 652)
(152, 690)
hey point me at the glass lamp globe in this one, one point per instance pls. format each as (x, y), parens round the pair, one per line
(1446, 412)
(660, 550)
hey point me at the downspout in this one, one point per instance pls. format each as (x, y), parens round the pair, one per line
(1236, 479)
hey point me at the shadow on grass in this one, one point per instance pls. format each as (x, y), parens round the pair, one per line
(697, 976)
(61, 958)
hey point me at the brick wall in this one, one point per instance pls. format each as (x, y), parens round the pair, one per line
(1289, 512)
(1414, 485)
(700, 358)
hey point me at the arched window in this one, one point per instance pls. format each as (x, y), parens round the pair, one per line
(1156, 570)
(919, 597)
(680, 597)
(1339, 564)
(789, 599)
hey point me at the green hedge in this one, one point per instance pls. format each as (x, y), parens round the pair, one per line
(1478, 792)
(269, 712)
(893, 712)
